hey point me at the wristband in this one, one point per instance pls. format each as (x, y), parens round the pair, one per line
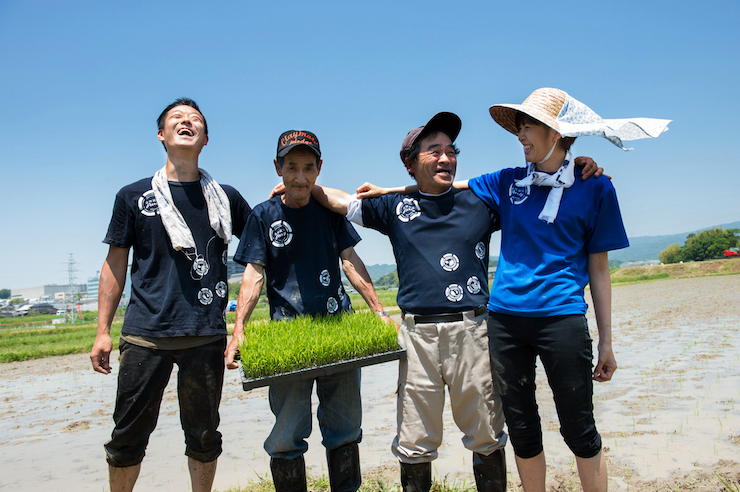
(383, 313)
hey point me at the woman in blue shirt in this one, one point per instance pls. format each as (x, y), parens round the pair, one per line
(556, 230)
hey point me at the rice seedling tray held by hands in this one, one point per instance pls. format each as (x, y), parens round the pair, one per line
(305, 347)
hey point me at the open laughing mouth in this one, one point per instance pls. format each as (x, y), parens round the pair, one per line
(185, 131)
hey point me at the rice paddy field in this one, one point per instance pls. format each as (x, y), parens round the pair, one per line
(669, 419)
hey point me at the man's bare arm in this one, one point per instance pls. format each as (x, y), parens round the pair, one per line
(249, 293)
(331, 198)
(357, 275)
(112, 282)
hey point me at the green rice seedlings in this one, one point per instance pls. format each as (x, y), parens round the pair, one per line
(277, 347)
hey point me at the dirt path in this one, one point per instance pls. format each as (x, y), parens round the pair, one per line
(669, 418)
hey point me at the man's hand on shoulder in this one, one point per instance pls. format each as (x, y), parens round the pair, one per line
(590, 168)
(369, 190)
(277, 190)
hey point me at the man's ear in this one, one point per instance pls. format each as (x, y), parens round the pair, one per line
(277, 168)
(318, 167)
(409, 165)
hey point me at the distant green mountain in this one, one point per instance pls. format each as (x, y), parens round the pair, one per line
(641, 248)
(377, 271)
(649, 247)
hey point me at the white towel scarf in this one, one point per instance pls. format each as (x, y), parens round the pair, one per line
(219, 210)
(562, 178)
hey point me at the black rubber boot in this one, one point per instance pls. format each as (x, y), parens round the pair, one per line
(416, 477)
(490, 471)
(344, 468)
(289, 475)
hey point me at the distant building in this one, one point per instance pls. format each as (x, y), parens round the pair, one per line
(45, 291)
(234, 271)
(92, 286)
(632, 264)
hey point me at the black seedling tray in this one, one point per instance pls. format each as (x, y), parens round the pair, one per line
(325, 370)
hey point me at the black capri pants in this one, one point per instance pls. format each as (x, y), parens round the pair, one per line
(142, 377)
(565, 349)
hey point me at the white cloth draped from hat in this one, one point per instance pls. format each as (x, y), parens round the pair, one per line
(563, 178)
(571, 118)
(219, 210)
(578, 120)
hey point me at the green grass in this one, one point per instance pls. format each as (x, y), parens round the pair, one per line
(386, 297)
(18, 344)
(273, 347)
(641, 278)
(382, 481)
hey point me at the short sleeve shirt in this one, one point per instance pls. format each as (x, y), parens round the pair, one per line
(543, 268)
(299, 249)
(441, 247)
(173, 293)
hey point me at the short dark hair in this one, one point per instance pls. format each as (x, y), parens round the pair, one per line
(524, 119)
(181, 101)
(412, 153)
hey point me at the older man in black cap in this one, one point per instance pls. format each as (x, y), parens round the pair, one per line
(440, 239)
(299, 245)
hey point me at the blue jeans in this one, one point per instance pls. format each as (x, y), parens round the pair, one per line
(339, 413)
(564, 347)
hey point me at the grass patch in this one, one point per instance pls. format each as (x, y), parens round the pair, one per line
(34, 343)
(641, 277)
(376, 480)
(386, 297)
(276, 347)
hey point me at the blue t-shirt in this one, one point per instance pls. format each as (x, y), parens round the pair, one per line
(174, 293)
(299, 249)
(543, 268)
(441, 248)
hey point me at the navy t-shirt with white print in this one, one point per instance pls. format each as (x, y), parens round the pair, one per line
(299, 249)
(441, 247)
(174, 293)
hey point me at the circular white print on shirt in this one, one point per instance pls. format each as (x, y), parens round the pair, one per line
(480, 250)
(340, 293)
(408, 209)
(200, 266)
(325, 278)
(454, 292)
(148, 204)
(205, 296)
(332, 305)
(281, 234)
(449, 262)
(225, 257)
(221, 289)
(473, 285)
(518, 194)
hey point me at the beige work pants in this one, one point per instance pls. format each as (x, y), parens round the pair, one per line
(452, 354)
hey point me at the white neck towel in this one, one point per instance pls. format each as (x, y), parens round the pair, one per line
(219, 210)
(563, 178)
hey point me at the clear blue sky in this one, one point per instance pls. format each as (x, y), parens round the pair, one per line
(83, 82)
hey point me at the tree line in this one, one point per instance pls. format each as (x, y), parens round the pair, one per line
(706, 245)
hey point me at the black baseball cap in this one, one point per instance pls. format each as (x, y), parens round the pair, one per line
(293, 138)
(445, 122)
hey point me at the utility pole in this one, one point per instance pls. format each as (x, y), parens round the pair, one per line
(71, 311)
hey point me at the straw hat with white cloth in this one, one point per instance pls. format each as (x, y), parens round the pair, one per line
(570, 118)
